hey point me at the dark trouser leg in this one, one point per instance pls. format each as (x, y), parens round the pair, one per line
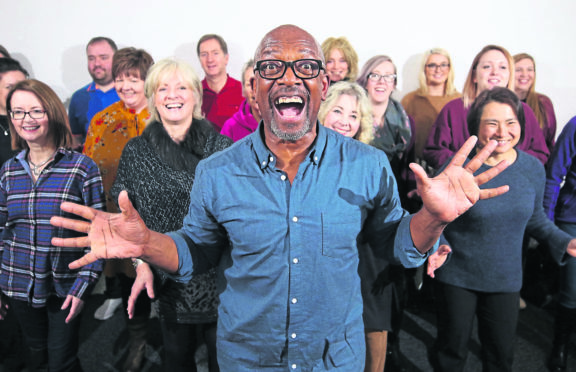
(210, 339)
(456, 308)
(137, 326)
(179, 346)
(563, 327)
(53, 343)
(497, 322)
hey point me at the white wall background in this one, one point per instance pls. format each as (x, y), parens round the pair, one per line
(49, 37)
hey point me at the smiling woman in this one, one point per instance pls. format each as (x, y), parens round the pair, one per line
(492, 67)
(44, 294)
(157, 169)
(109, 131)
(525, 88)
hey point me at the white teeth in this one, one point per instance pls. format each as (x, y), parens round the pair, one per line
(174, 105)
(289, 100)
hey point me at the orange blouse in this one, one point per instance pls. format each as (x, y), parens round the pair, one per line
(109, 131)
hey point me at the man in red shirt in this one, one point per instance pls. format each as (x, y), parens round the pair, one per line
(222, 94)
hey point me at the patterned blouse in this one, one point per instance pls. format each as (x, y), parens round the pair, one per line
(109, 132)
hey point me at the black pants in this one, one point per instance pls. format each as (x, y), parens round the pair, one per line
(180, 343)
(497, 320)
(52, 342)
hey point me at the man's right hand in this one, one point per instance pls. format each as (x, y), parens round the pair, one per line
(109, 235)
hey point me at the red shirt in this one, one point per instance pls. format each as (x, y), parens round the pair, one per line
(219, 107)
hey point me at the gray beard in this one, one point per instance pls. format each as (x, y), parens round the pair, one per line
(275, 129)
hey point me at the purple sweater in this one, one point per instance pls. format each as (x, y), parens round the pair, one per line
(241, 124)
(450, 131)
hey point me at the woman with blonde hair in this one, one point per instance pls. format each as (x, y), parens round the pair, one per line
(347, 110)
(539, 103)
(492, 67)
(157, 169)
(341, 59)
(436, 89)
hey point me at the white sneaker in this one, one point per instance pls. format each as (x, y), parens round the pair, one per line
(108, 308)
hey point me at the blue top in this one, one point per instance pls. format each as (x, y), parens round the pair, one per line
(486, 241)
(292, 297)
(559, 199)
(32, 268)
(87, 102)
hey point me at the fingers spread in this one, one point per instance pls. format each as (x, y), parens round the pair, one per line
(462, 154)
(490, 193)
(87, 259)
(79, 210)
(68, 223)
(82, 241)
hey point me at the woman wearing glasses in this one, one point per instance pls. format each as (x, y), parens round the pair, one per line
(436, 89)
(492, 67)
(392, 134)
(35, 280)
(539, 103)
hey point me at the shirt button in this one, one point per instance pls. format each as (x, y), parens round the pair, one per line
(295, 219)
(294, 300)
(271, 159)
(293, 335)
(263, 163)
(294, 366)
(283, 177)
(295, 260)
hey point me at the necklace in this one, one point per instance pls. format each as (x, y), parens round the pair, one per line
(36, 168)
(4, 129)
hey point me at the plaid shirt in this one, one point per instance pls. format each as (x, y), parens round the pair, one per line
(32, 269)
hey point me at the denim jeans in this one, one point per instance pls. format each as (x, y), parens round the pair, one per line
(53, 344)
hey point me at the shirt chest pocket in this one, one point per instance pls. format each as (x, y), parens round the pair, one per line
(339, 233)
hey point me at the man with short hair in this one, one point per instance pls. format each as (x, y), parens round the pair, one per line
(99, 94)
(281, 212)
(222, 95)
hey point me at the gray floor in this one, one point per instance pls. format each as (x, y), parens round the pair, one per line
(103, 343)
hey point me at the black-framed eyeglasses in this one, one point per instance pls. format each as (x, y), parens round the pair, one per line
(434, 66)
(34, 114)
(273, 69)
(390, 78)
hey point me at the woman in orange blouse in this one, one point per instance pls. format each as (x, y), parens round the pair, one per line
(109, 131)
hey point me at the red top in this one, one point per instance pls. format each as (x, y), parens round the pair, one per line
(219, 107)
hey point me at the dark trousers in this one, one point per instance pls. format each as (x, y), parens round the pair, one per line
(180, 343)
(497, 315)
(53, 344)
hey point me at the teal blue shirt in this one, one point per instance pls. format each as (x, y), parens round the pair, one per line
(292, 297)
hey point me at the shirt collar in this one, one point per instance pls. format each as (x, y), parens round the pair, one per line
(266, 158)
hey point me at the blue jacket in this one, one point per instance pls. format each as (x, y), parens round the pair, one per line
(559, 199)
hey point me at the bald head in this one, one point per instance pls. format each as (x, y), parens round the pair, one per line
(287, 34)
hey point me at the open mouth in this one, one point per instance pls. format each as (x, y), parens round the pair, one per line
(289, 107)
(174, 106)
(30, 128)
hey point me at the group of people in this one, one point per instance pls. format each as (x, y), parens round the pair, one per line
(272, 215)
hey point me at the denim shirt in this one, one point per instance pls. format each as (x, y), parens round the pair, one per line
(289, 252)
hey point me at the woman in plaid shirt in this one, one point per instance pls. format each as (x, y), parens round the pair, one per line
(35, 280)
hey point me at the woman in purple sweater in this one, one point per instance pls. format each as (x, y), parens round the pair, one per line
(525, 71)
(492, 67)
